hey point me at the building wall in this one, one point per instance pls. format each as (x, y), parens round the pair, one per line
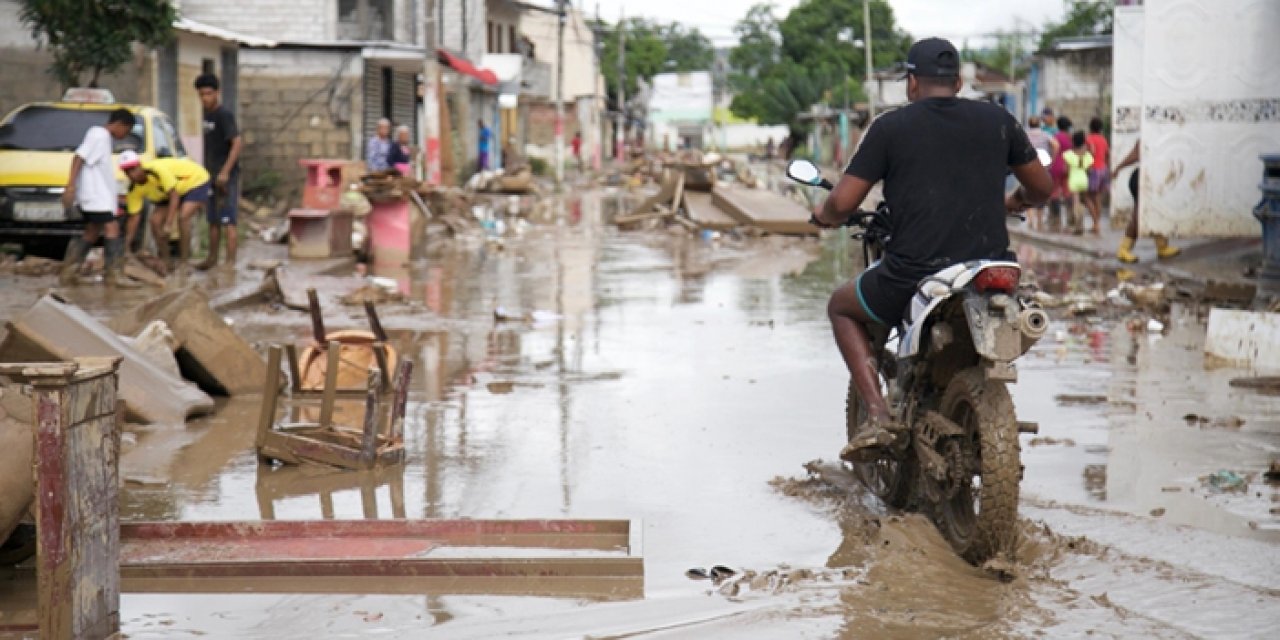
(580, 75)
(1078, 85)
(541, 124)
(298, 104)
(295, 20)
(24, 73)
(461, 27)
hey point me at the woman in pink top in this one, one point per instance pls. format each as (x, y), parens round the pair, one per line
(1058, 171)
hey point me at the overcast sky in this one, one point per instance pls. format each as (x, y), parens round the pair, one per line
(953, 19)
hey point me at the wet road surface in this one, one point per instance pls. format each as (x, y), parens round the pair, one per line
(685, 384)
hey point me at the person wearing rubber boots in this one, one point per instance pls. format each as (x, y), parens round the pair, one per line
(91, 188)
(177, 186)
(222, 146)
(1125, 254)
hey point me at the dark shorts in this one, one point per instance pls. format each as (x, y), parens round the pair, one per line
(199, 194)
(1133, 185)
(97, 217)
(885, 294)
(1099, 180)
(222, 206)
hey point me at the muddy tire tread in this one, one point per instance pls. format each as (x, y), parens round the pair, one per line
(900, 496)
(998, 434)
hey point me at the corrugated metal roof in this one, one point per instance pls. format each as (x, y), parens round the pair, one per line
(200, 28)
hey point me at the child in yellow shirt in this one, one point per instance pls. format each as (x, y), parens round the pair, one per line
(178, 186)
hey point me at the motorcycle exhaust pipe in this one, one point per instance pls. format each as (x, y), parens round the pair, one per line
(1033, 323)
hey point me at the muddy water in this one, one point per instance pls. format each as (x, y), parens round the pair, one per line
(684, 383)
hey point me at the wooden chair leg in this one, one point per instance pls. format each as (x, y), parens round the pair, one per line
(295, 370)
(270, 395)
(404, 373)
(330, 385)
(369, 449)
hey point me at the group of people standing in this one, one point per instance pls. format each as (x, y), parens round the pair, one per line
(1081, 170)
(385, 154)
(178, 187)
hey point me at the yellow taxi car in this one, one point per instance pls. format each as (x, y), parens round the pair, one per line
(37, 141)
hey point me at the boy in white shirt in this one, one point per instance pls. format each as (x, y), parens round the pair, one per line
(91, 188)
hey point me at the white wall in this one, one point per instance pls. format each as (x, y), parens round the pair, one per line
(475, 16)
(1126, 98)
(1210, 82)
(580, 77)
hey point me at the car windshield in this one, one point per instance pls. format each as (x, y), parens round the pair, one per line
(53, 129)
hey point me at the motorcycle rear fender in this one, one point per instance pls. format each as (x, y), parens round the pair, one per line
(985, 345)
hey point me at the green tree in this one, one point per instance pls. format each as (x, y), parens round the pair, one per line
(96, 37)
(782, 67)
(1083, 18)
(687, 49)
(646, 53)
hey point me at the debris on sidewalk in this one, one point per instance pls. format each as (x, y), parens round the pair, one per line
(1226, 481)
(210, 353)
(54, 330)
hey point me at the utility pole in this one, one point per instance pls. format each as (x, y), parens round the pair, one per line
(560, 5)
(866, 29)
(620, 120)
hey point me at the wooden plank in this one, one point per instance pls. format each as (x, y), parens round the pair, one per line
(369, 441)
(764, 209)
(705, 214)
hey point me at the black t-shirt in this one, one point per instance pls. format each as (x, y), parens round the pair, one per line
(219, 130)
(943, 162)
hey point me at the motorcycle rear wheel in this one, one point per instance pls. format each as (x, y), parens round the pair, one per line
(888, 479)
(979, 519)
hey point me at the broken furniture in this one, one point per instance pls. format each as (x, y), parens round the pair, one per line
(53, 329)
(323, 441)
(209, 352)
(324, 183)
(319, 233)
(358, 351)
(77, 444)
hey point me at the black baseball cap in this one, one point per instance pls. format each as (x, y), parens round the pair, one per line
(933, 57)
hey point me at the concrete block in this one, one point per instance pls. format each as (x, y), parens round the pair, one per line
(52, 329)
(1248, 339)
(209, 352)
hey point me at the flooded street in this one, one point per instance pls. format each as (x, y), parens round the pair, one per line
(684, 383)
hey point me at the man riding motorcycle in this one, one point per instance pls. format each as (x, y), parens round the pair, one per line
(943, 161)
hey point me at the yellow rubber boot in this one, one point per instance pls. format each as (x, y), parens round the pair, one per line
(1125, 253)
(1164, 249)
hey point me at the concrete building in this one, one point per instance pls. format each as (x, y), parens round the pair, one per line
(337, 68)
(1073, 77)
(681, 109)
(583, 83)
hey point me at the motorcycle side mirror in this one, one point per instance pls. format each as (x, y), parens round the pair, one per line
(1045, 158)
(804, 172)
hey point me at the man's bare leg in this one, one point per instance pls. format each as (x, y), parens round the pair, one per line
(215, 241)
(232, 240)
(849, 322)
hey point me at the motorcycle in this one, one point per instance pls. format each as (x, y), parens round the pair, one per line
(943, 372)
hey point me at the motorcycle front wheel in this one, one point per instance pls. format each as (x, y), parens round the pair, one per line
(888, 479)
(979, 510)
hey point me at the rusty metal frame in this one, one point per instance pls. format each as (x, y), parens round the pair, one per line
(615, 572)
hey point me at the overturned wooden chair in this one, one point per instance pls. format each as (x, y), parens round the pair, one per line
(346, 446)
